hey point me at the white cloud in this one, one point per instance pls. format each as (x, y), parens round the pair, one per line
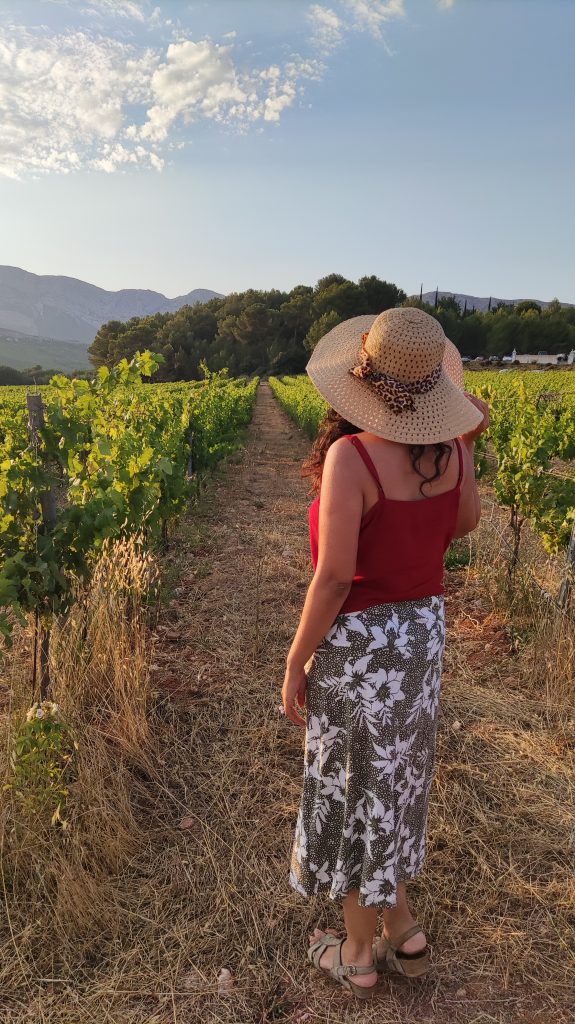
(63, 98)
(445, 4)
(327, 29)
(116, 155)
(284, 85)
(73, 100)
(110, 8)
(87, 98)
(371, 15)
(139, 11)
(201, 80)
(196, 79)
(121, 8)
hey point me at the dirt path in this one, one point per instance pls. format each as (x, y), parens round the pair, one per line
(234, 767)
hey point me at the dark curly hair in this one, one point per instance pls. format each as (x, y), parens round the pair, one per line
(334, 426)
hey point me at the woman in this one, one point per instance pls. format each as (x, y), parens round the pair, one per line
(394, 457)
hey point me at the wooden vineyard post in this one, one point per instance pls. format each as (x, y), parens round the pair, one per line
(190, 476)
(48, 506)
(566, 586)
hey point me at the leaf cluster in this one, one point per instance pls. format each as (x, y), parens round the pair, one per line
(41, 762)
(114, 451)
(528, 434)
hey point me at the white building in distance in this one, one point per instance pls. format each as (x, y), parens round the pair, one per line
(542, 358)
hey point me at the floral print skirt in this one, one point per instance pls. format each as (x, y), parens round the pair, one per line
(372, 706)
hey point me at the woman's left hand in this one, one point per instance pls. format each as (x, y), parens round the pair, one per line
(294, 688)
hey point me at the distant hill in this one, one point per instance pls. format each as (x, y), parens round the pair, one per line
(22, 352)
(481, 304)
(68, 310)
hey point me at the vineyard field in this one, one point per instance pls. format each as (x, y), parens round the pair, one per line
(112, 459)
(558, 384)
(536, 382)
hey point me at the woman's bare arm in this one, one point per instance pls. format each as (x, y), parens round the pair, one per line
(340, 512)
(469, 512)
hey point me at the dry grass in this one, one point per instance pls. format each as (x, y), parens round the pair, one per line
(543, 632)
(134, 916)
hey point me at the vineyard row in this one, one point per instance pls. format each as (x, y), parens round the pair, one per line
(97, 461)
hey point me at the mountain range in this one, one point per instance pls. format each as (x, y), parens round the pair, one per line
(50, 320)
(66, 309)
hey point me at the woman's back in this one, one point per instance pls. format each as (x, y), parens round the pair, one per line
(403, 534)
(394, 469)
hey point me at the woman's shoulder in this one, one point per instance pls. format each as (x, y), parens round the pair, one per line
(342, 446)
(341, 454)
(340, 443)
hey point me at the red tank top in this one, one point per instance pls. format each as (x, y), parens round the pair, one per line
(401, 544)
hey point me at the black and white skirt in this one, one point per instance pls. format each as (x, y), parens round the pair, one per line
(372, 708)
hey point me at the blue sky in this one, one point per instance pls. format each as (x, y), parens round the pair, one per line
(266, 143)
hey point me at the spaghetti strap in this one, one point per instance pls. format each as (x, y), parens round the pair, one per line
(460, 457)
(367, 459)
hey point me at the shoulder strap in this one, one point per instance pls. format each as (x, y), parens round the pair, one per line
(460, 457)
(366, 458)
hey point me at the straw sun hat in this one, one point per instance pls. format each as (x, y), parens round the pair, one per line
(395, 375)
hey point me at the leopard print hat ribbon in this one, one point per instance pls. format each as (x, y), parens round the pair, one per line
(396, 394)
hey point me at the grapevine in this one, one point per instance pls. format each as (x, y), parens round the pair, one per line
(114, 452)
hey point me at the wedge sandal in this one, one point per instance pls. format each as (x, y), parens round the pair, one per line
(341, 972)
(411, 965)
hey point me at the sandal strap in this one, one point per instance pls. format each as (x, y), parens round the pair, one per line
(318, 948)
(347, 969)
(394, 944)
(340, 970)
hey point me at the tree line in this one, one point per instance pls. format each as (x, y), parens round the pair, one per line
(35, 375)
(274, 332)
(525, 326)
(251, 332)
